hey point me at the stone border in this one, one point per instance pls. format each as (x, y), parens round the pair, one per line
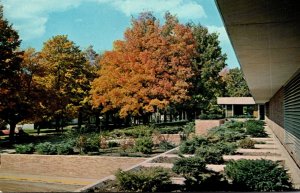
(112, 177)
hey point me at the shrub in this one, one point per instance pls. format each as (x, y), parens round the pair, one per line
(127, 144)
(166, 145)
(136, 131)
(247, 143)
(81, 143)
(145, 180)
(255, 128)
(112, 144)
(188, 129)
(235, 126)
(223, 133)
(211, 116)
(64, 149)
(24, 149)
(191, 168)
(227, 148)
(211, 154)
(91, 144)
(191, 145)
(103, 143)
(46, 148)
(144, 145)
(258, 175)
(169, 130)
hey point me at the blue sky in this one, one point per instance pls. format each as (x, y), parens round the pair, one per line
(100, 22)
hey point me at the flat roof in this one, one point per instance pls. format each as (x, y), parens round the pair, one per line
(235, 101)
(266, 39)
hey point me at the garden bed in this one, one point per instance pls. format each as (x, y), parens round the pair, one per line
(195, 173)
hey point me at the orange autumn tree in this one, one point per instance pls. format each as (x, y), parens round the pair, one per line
(148, 70)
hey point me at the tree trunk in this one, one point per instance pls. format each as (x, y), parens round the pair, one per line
(79, 118)
(57, 120)
(165, 116)
(145, 119)
(97, 115)
(12, 132)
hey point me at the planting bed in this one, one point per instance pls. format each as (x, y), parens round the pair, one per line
(200, 164)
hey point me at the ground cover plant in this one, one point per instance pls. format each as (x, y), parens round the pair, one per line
(247, 143)
(258, 175)
(197, 176)
(132, 141)
(255, 128)
(144, 180)
(243, 175)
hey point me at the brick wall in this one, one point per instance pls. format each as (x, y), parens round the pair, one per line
(203, 126)
(94, 167)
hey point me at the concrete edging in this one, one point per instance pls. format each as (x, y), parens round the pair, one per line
(112, 177)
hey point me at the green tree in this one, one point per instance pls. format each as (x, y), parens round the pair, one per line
(92, 66)
(66, 77)
(236, 86)
(207, 65)
(12, 106)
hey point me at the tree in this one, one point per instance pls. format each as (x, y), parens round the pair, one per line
(236, 86)
(37, 97)
(92, 66)
(146, 71)
(12, 106)
(207, 64)
(65, 77)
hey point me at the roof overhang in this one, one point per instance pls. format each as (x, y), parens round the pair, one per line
(265, 35)
(235, 101)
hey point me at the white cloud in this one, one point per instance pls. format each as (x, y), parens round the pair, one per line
(30, 16)
(182, 8)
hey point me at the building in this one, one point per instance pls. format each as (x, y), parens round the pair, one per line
(241, 107)
(265, 35)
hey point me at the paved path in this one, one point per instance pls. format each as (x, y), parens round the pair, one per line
(26, 186)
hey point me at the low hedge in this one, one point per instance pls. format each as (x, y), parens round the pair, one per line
(258, 175)
(144, 180)
(24, 149)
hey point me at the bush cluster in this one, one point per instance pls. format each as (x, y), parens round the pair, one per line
(258, 175)
(247, 143)
(193, 169)
(144, 180)
(169, 130)
(112, 144)
(144, 145)
(166, 145)
(210, 154)
(24, 149)
(135, 132)
(255, 128)
(190, 146)
(48, 148)
(211, 116)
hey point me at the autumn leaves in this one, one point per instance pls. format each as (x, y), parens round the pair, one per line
(148, 70)
(155, 66)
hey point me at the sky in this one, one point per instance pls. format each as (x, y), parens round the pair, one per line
(100, 22)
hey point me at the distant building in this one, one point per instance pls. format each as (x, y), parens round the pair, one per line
(241, 107)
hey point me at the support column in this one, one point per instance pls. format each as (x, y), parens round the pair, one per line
(258, 111)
